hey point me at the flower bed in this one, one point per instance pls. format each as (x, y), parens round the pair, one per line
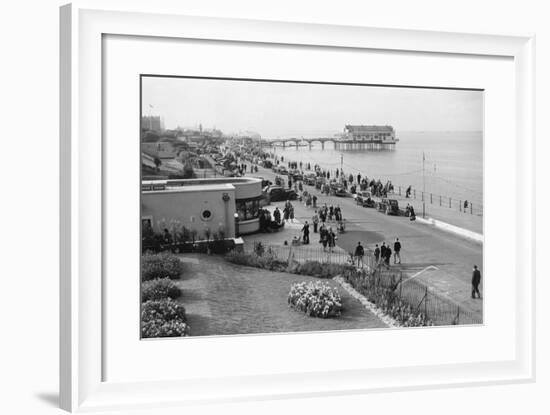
(163, 318)
(386, 299)
(158, 289)
(316, 299)
(160, 265)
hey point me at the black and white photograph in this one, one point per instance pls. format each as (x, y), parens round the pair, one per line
(272, 206)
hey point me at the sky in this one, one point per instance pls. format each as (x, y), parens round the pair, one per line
(278, 109)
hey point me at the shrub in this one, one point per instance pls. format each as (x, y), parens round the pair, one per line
(266, 261)
(316, 299)
(158, 289)
(321, 270)
(165, 309)
(160, 265)
(163, 318)
(160, 328)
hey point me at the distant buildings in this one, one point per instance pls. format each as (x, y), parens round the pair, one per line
(152, 123)
(370, 133)
(200, 136)
(160, 149)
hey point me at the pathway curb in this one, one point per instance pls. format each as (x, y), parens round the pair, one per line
(447, 227)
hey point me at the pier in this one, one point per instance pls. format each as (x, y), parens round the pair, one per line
(354, 137)
(339, 143)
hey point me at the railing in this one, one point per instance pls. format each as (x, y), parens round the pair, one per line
(471, 207)
(437, 308)
(304, 253)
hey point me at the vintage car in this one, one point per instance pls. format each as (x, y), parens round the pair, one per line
(295, 174)
(309, 178)
(281, 170)
(365, 199)
(279, 181)
(338, 189)
(279, 193)
(388, 206)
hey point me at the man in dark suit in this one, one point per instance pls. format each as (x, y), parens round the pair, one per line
(476, 280)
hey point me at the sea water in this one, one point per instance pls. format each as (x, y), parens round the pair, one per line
(453, 162)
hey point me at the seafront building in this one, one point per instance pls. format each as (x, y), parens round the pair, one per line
(370, 133)
(230, 204)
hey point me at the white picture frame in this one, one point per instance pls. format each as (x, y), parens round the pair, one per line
(83, 27)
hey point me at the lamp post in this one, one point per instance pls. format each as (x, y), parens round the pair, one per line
(423, 186)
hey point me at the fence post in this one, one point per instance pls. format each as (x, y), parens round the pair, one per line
(457, 315)
(422, 196)
(440, 200)
(426, 304)
(414, 193)
(431, 199)
(450, 203)
(471, 209)
(460, 205)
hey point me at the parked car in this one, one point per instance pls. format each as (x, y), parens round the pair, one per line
(295, 174)
(365, 199)
(389, 206)
(338, 189)
(265, 182)
(267, 164)
(282, 170)
(279, 193)
(309, 178)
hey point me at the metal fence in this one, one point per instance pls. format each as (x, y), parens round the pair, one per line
(460, 205)
(436, 307)
(439, 309)
(304, 253)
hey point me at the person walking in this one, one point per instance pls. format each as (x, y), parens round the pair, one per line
(396, 251)
(331, 239)
(305, 231)
(377, 254)
(323, 237)
(315, 220)
(412, 215)
(383, 252)
(359, 254)
(314, 202)
(291, 213)
(388, 256)
(277, 215)
(476, 280)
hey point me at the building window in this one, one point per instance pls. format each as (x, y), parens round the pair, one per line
(206, 215)
(248, 208)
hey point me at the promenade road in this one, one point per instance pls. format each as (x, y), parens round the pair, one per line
(423, 245)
